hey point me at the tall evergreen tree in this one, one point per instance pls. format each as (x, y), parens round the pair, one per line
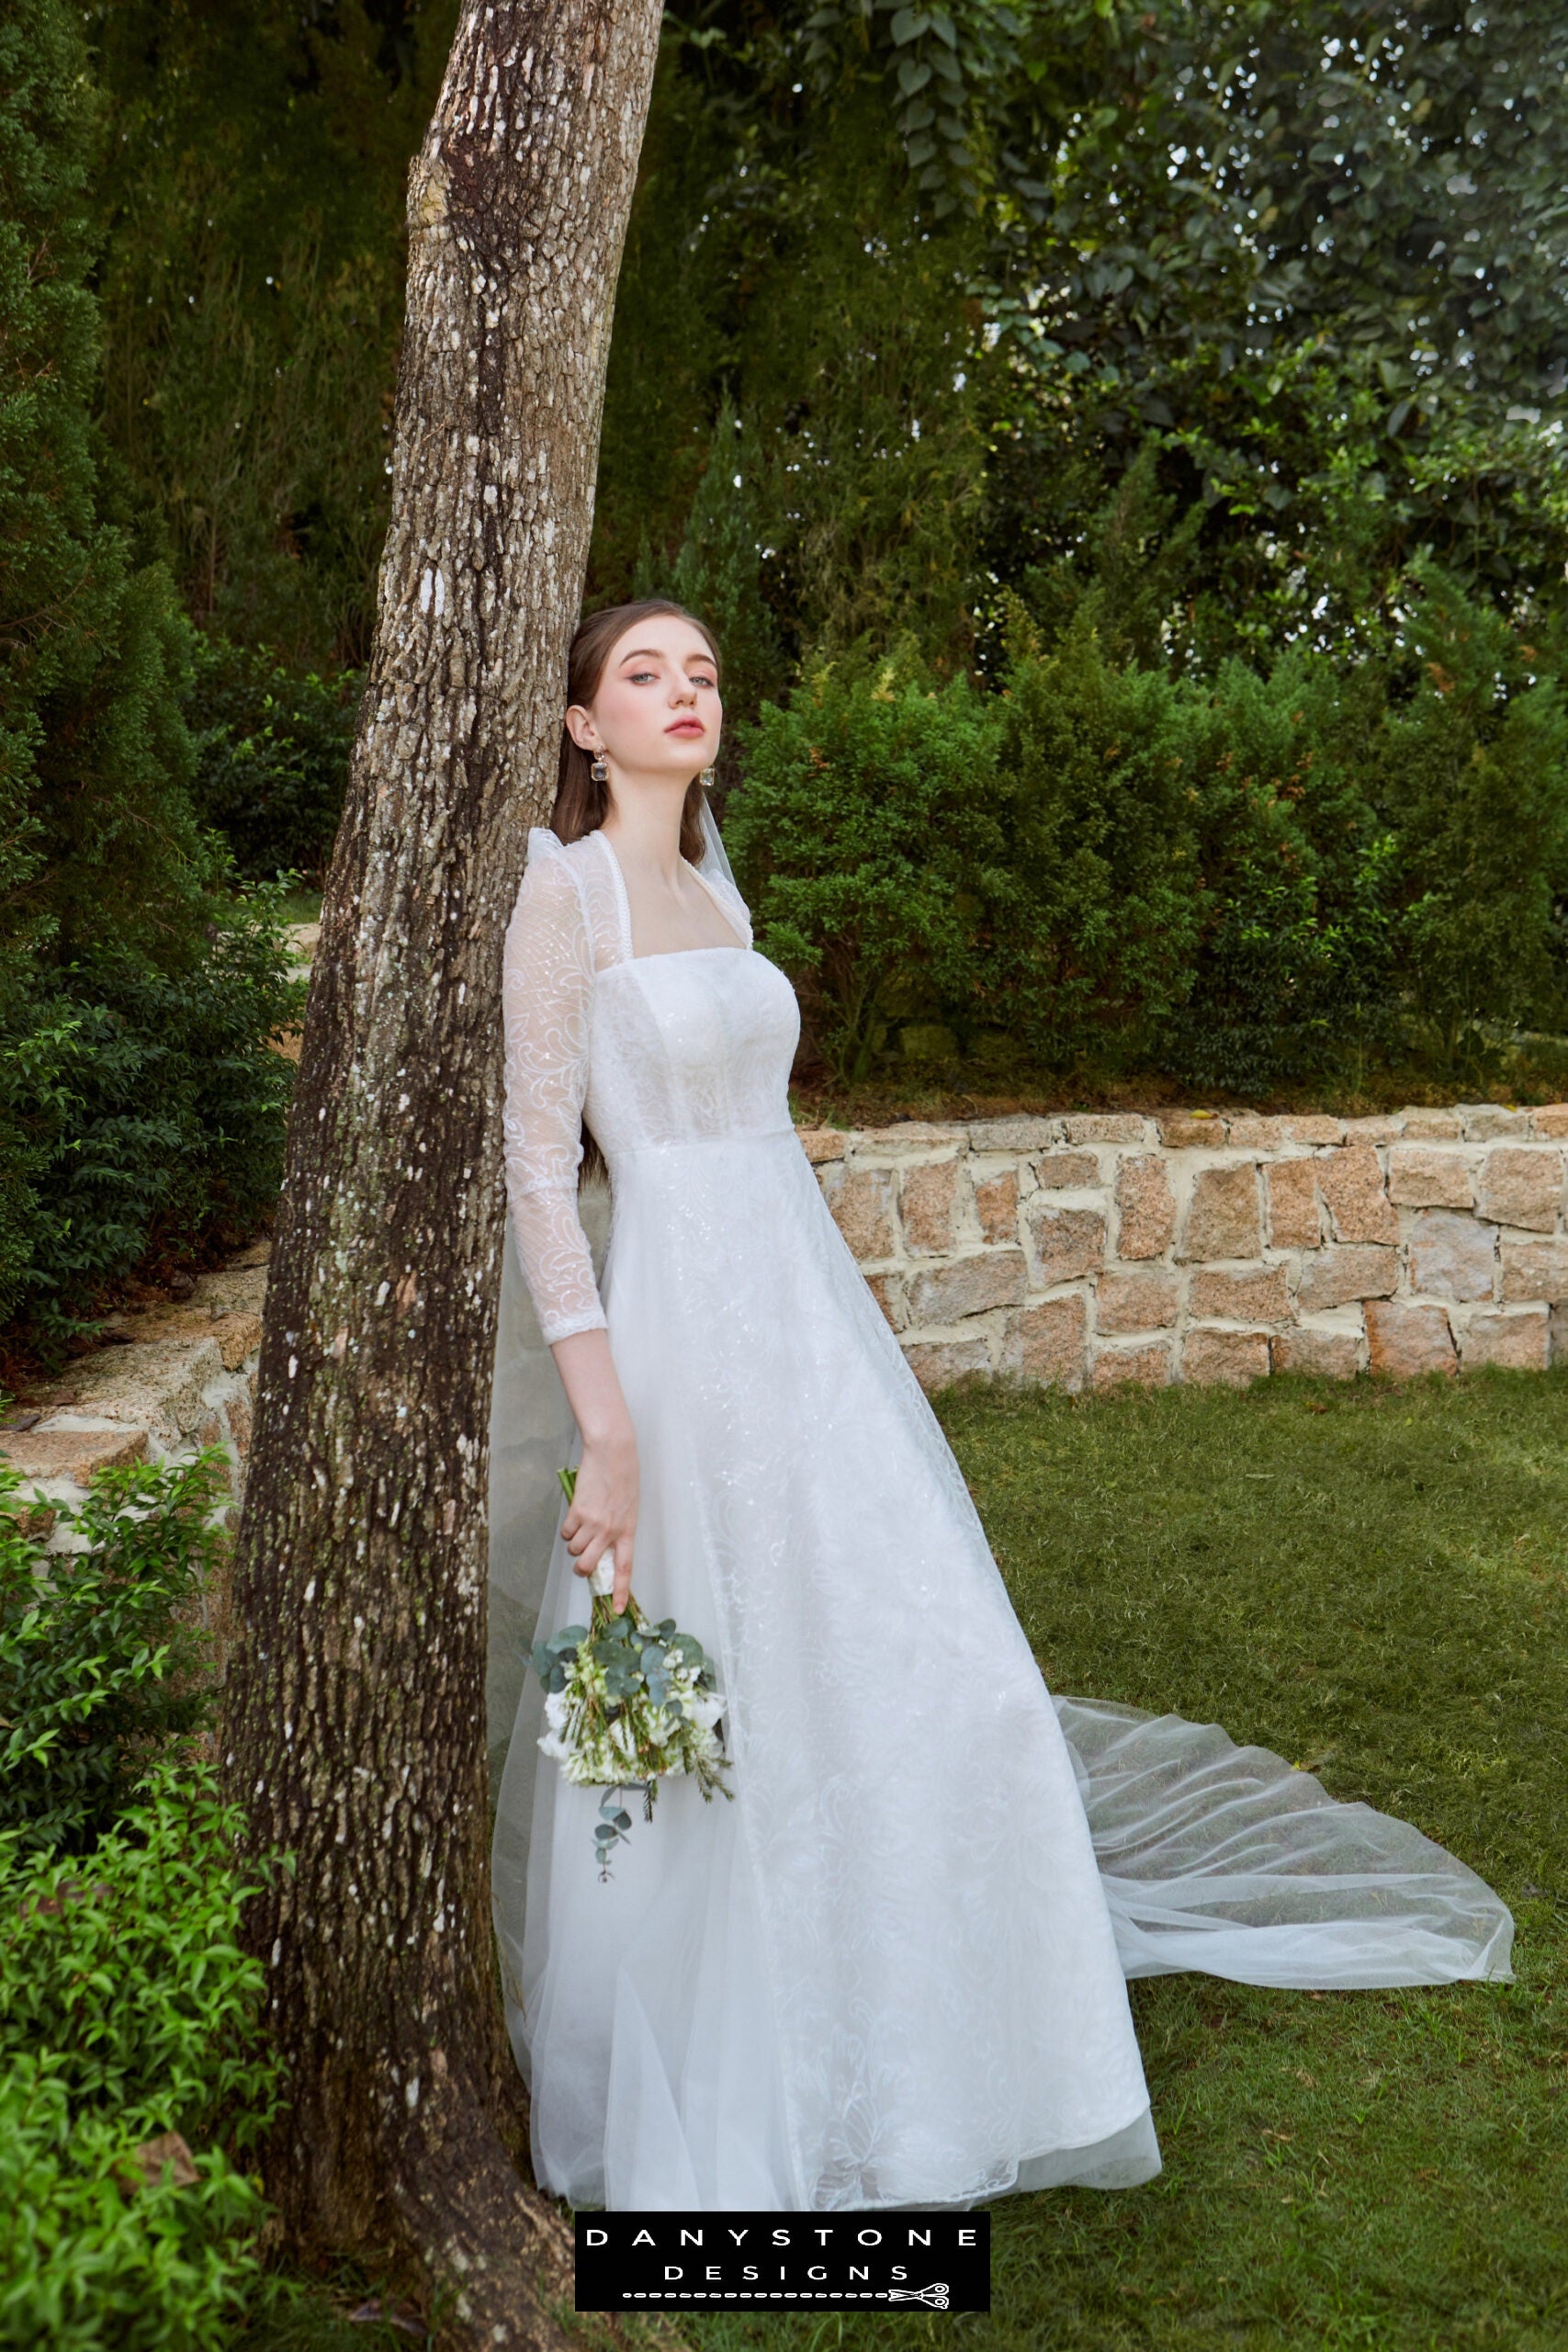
(108, 977)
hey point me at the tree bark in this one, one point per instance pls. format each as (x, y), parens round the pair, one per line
(354, 1724)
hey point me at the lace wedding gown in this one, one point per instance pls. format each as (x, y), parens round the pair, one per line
(892, 1971)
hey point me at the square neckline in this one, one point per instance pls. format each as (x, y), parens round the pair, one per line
(623, 901)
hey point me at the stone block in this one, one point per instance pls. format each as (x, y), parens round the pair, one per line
(156, 1386)
(1251, 1132)
(1046, 1343)
(1326, 1355)
(1145, 1367)
(1012, 1134)
(1534, 1269)
(862, 1203)
(1419, 1176)
(1293, 1219)
(995, 1206)
(1224, 1359)
(909, 1135)
(1067, 1171)
(233, 1289)
(1405, 1341)
(935, 1363)
(1518, 1340)
(1223, 1219)
(1557, 1335)
(1337, 1276)
(1351, 1183)
(1105, 1127)
(927, 1196)
(1146, 1213)
(1142, 1302)
(1549, 1120)
(1522, 1184)
(970, 1285)
(1184, 1130)
(240, 1410)
(1422, 1124)
(1380, 1129)
(71, 1454)
(1483, 1121)
(1256, 1294)
(1311, 1126)
(886, 1289)
(238, 1338)
(1452, 1256)
(820, 1145)
(1067, 1242)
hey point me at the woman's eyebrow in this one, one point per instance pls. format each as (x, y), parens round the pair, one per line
(651, 653)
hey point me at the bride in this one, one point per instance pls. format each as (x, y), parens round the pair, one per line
(891, 1971)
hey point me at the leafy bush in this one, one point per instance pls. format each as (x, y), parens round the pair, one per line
(1294, 972)
(101, 1664)
(1095, 919)
(128, 2010)
(1472, 774)
(865, 830)
(272, 751)
(1240, 881)
(146, 1107)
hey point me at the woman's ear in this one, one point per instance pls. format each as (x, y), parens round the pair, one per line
(581, 727)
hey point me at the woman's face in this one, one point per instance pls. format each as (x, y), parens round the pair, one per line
(656, 710)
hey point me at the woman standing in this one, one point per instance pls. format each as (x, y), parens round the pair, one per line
(892, 1971)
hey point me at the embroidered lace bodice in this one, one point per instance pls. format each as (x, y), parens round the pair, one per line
(641, 1046)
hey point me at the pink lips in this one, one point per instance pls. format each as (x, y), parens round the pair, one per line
(686, 727)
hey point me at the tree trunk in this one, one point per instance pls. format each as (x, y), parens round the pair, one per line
(356, 1696)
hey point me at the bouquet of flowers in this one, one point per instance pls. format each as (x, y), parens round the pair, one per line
(628, 1701)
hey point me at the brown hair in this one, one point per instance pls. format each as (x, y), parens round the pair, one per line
(581, 806)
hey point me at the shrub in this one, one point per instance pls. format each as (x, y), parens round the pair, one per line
(863, 833)
(101, 1665)
(147, 1109)
(1472, 774)
(128, 2010)
(272, 750)
(1095, 915)
(1295, 971)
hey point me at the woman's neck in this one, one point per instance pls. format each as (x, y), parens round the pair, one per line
(644, 822)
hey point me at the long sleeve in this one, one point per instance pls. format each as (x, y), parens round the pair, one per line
(547, 987)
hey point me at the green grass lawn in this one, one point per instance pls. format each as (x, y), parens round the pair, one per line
(1373, 1581)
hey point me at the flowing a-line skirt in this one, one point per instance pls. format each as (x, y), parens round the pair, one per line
(892, 1970)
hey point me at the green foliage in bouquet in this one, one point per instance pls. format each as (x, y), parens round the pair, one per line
(628, 1701)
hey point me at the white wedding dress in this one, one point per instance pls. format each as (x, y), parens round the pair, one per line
(891, 1972)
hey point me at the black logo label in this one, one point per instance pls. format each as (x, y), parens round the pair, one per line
(777, 2262)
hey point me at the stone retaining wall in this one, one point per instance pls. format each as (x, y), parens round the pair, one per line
(1082, 1250)
(1089, 1251)
(173, 1380)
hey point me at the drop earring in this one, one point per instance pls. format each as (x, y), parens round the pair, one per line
(705, 779)
(598, 770)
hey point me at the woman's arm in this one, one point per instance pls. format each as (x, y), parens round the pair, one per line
(546, 993)
(603, 1507)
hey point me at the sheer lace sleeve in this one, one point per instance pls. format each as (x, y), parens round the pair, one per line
(546, 988)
